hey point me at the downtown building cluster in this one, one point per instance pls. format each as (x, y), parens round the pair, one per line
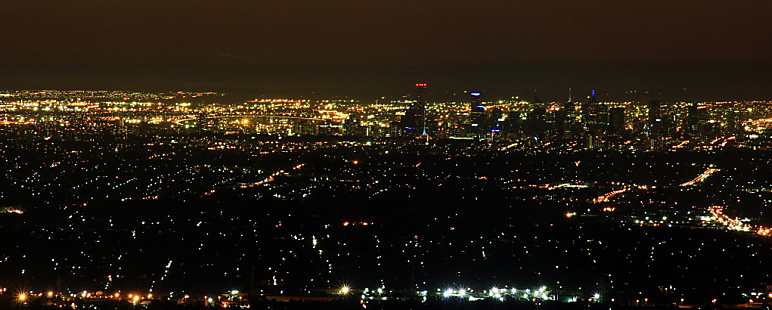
(589, 123)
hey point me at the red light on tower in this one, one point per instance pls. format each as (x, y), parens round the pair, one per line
(420, 85)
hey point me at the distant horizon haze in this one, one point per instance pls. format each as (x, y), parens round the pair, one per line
(672, 82)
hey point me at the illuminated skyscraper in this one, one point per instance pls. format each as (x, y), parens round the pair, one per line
(477, 115)
(413, 123)
(655, 111)
(655, 117)
(420, 108)
(602, 123)
(594, 116)
(570, 107)
(587, 112)
(496, 120)
(202, 121)
(692, 124)
(353, 125)
(569, 112)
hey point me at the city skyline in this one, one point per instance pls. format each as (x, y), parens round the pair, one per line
(614, 81)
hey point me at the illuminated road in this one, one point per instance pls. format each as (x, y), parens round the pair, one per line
(717, 215)
(249, 116)
(704, 175)
(607, 196)
(269, 178)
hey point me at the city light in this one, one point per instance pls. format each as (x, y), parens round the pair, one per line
(447, 293)
(300, 193)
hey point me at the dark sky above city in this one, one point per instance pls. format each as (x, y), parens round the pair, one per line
(383, 31)
(369, 49)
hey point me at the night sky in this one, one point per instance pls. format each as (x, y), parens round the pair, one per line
(83, 33)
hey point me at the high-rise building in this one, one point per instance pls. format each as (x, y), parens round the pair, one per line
(536, 122)
(413, 123)
(655, 117)
(595, 116)
(655, 111)
(514, 125)
(692, 124)
(603, 121)
(616, 121)
(569, 125)
(497, 115)
(420, 108)
(570, 107)
(353, 125)
(202, 121)
(477, 115)
(734, 122)
(587, 113)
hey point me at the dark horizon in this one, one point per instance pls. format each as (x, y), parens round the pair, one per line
(715, 50)
(672, 82)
